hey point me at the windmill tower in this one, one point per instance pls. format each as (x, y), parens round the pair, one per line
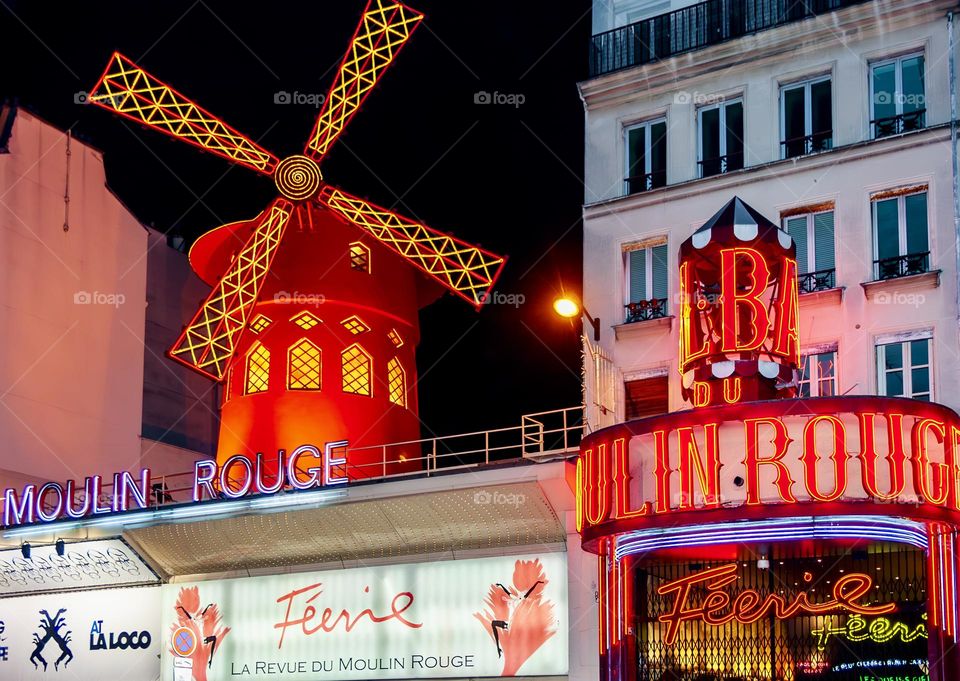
(311, 324)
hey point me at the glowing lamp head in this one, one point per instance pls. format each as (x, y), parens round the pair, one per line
(566, 307)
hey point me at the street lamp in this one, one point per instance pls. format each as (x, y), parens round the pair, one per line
(567, 307)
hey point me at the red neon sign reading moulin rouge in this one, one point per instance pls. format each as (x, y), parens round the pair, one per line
(749, 450)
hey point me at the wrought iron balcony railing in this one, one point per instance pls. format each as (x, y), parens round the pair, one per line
(643, 183)
(895, 125)
(721, 164)
(821, 280)
(902, 265)
(645, 310)
(695, 27)
(809, 144)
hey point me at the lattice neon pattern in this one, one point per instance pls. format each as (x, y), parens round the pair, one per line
(396, 382)
(132, 92)
(305, 320)
(258, 370)
(259, 323)
(359, 257)
(395, 338)
(355, 364)
(467, 270)
(303, 366)
(355, 325)
(209, 341)
(384, 28)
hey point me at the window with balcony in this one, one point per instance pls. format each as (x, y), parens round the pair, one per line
(818, 374)
(646, 281)
(816, 255)
(721, 138)
(806, 117)
(904, 369)
(900, 235)
(646, 156)
(897, 97)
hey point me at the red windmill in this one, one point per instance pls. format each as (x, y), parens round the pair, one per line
(312, 320)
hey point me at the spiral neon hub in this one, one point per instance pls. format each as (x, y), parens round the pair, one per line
(298, 177)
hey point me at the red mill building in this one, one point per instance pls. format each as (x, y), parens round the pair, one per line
(760, 535)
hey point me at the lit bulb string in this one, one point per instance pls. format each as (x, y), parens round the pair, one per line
(899, 530)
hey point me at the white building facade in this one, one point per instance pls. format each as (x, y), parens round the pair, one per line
(834, 121)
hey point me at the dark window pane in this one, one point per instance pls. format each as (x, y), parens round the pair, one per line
(821, 116)
(794, 124)
(913, 97)
(884, 91)
(916, 210)
(710, 141)
(888, 234)
(894, 383)
(636, 149)
(920, 380)
(893, 356)
(658, 153)
(734, 140)
(919, 352)
(646, 397)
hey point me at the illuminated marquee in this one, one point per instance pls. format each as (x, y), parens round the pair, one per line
(828, 451)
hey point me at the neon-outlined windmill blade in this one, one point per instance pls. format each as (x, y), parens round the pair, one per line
(464, 269)
(128, 90)
(385, 27)
(208, 342)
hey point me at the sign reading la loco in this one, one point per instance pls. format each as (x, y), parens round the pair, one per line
(830, 451)
(103, 634)
(503, 616)
(306, 467)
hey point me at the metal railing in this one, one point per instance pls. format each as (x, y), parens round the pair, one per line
(821, 280)
(901, 123)
(808, 144)
(902, 265)
(645, 310)
(696, 27)
(542, 435)
(721, 164)
(646, 182)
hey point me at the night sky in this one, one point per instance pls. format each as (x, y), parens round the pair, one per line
(503, 176)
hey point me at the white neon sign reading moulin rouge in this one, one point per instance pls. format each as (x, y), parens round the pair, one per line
(306, 467)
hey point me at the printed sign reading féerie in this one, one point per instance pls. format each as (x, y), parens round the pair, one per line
(503, 616)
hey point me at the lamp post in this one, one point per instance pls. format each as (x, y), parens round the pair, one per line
(567, 307)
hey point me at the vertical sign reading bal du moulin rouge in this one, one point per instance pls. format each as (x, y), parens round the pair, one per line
(504, 616)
